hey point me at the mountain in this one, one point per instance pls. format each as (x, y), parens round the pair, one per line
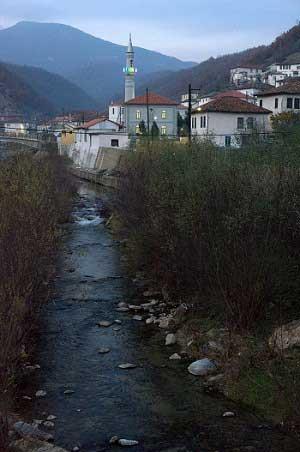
(214, 73)
(31, 91)
(92, 63)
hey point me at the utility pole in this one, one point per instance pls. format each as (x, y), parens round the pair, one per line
(190, 111)
(190, 114)
(148, 118)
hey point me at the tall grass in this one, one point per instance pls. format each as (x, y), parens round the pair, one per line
(35, 196)
(218, 226)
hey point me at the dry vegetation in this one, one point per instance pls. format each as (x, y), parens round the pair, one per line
(35, 197)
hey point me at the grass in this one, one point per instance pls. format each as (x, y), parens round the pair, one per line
(35, 197)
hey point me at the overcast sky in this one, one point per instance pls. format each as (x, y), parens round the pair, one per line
(188, 29)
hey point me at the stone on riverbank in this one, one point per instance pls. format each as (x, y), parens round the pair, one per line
(170, 339)
(31, 431)
(202, 367)
(33, 445)
(175, 357)
(286, 336)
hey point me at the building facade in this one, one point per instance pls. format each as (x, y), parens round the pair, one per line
(149, 110)
(281, 99)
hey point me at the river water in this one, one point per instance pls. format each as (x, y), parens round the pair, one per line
(158, 403)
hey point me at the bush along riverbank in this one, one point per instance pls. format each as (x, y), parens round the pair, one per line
(217, 233)
(35, 199)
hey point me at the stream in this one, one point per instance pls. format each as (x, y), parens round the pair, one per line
(157, 403)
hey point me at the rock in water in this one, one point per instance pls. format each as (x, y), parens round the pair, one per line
(128, 442)
(69, 391)
(202, 367)
(103, 350)
(127, 366)
(104, 323)
(170, 339)
(139, 318)
(49, 424)
(113, 440)
(40, 393)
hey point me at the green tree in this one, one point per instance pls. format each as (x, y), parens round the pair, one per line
(154, 130)
(182, 125)
(142, 126)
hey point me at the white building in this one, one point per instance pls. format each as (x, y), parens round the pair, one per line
(277, 73)
(281, 99)
(16, 128)
(92, 138)
(245, 74)
(228, 121)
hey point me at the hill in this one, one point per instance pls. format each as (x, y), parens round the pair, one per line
(92, 63)
(213, 74)
(58, 91)
(31, 90)
(18, 97)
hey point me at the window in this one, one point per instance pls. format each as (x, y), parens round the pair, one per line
(194, 123)
(297, 103)
(203, 122)
(163, 130)
(113, 111)
(276, 102)
(138, 114)
(261, 103)
(85, 137)
(289, 102)
(250, 123)
(240, 123)
(114, 143)
(164, 114)
(228, 141)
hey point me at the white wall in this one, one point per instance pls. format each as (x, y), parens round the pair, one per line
(85, 152)
(116, 113)
(269, 102)
(220, 125)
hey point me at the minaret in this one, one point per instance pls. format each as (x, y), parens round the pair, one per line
(130, 72)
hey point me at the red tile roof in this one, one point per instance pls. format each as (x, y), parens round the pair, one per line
(291, 87)
(231, 105)
(96, 121)
(153, 99)
(232, 93)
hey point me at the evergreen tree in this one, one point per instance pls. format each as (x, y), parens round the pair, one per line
(142, 126)
(154, 130)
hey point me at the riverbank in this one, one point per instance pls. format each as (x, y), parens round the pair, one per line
(217, 234)
(35, 199)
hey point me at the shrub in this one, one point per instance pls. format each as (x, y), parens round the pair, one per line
(223, 225)
(35, 196)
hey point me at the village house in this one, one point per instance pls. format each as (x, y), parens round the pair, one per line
(228, 121)
(94, 136)
(249, 73)
(281, 99)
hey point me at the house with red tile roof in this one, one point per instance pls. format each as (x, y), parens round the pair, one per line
(283, 98)
(228, 121)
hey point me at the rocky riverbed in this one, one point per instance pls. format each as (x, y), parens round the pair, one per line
(108, 372)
